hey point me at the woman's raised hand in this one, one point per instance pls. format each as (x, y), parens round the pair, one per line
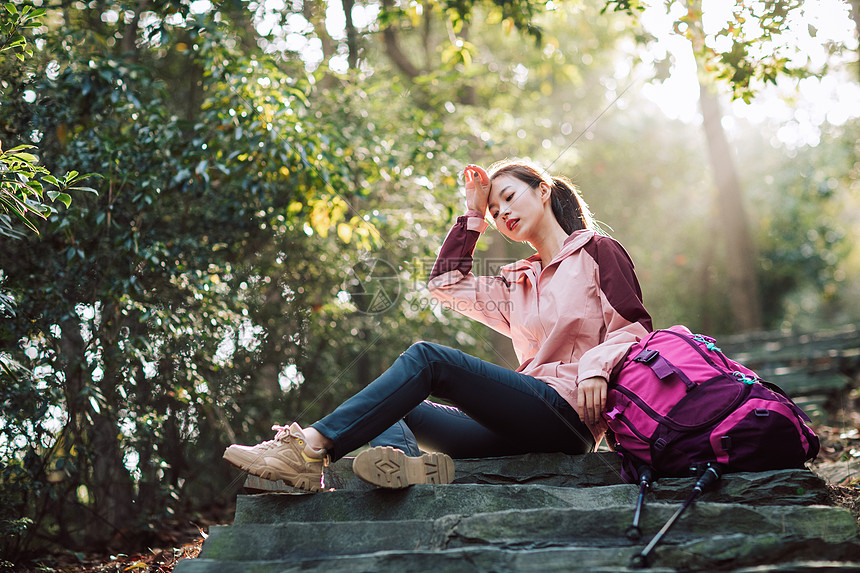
(477, 188)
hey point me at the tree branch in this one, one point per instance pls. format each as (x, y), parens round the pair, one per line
(393, 49)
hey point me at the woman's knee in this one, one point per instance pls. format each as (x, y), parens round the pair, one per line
(425, 352)
(429, 363)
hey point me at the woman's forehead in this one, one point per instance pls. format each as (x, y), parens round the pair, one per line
(505, 181)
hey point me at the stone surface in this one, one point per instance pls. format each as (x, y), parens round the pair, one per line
(431, 501)
(464, 560)
(776, 487)
(536, 513)
(422, 502)
(589, 470)
(525, 527)
(313, 540)
(731, 552)
(719, 553)
(533, 529)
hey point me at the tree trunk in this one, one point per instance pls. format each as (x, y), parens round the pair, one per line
(314, 12)
(740, 250)
(109, 483)
(129, 35)
(112, 485)
(393, 49)
(469, 95)
(351, 34)
(192, 72)
(241, 18)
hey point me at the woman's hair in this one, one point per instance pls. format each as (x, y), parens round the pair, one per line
(570, 210)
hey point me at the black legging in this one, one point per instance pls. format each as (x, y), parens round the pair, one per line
(498, 411)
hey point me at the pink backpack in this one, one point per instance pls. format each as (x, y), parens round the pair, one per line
(678, 402)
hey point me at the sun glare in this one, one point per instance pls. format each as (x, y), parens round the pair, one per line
(811, 31)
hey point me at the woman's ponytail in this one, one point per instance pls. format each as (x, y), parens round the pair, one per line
(570, 210)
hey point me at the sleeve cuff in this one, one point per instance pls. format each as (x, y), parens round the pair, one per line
(586, 374)
(475, 221)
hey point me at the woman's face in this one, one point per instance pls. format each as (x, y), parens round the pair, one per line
(516, 208)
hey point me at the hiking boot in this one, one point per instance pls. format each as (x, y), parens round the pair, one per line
(389, 467)
(287, 457)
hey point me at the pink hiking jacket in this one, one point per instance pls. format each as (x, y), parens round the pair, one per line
(572, 320)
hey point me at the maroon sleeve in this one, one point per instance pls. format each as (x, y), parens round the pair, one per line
(618, 280)
(456, 251)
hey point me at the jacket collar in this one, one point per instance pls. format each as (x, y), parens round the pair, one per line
(531, 266)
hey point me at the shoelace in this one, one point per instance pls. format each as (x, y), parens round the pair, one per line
(283, 433)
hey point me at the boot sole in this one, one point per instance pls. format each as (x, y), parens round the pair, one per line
(389, 467)
(307, 482)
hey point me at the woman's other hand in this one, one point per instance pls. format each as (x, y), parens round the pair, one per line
(591, 400)
(477, 188)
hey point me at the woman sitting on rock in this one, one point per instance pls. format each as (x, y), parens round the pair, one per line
(572, 311)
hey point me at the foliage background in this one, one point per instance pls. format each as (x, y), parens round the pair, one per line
(262, 172)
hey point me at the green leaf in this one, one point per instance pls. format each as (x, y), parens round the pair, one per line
(87, 189)
(51, 179)
(25, 157)
(22, 215)
(65, 199)
(20, 148)
(11, 8)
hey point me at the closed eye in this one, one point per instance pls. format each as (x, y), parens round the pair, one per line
(508, 199)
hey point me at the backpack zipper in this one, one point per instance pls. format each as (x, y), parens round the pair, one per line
(626, 421)
(701, 352)
(651, 413)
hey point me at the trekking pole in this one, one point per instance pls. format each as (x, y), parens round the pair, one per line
(712, 474)
(633, 532)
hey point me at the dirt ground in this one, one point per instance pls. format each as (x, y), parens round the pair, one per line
(839, 458)
(175, 541)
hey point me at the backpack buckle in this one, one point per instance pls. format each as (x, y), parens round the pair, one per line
(647, 356)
